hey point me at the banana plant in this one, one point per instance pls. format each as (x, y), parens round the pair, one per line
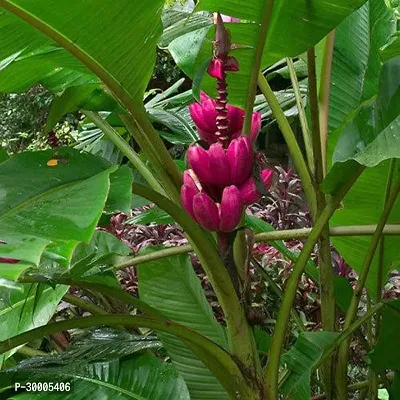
(98, 59)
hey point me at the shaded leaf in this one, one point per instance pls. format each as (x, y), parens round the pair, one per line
(372, 135)
(28, 309)
(386, 353)
(88, 97)
(301, 358)
(153, 215)
(142, 377)
(355, 67)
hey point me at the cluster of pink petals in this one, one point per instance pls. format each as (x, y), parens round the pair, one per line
(209, 214)
(223, 167)
(204, 115)
(219, 208)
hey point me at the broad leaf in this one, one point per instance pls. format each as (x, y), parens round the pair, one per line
(301, 358)
(372, 135)
(50, 197)
(386, 353)
(363, 205)
(28, 309)
(87, 97)
(153, 215)
(50, 66)
(142, 377)
(355, 66)
(120, 196)
(171, 286)
(104, 249)
(110, 36)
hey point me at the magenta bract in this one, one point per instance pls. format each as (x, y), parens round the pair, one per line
(231, 209)
(240, 159)
(249, 192)
(206, 212)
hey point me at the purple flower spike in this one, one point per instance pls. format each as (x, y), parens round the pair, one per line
(205, 115)
(231, 209)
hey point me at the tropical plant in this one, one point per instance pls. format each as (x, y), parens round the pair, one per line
(98, 58)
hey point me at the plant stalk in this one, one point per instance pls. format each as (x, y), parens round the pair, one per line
(240, 335)
(324, 93)
(262, 37)
(302, 115)
(327, 295)
(294, 149)
(84, 305)
(355, 387)
(343, 354)
(271, 375)
(125, 149)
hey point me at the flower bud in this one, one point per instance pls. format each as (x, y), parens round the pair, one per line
(187, 196)
(249, 191)
(199, 161)
(230, 211)
(205, 212)
(219, 173)
(255, 126)
(240, 159)
(190, 179)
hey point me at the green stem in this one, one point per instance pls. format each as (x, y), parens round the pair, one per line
(30, 352)
(84, 305)
(157, 154)
(379, 280)
(303, 233)
(272, 370)
(355, 387)
(327, 295)
(80, 282)
(278, 292)
(256, 65)
(157, 151)
(215, 358)
(302, 114)
(324, 93)
(240, 335)
(125, 149)
(294, 149)
(343, 354)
